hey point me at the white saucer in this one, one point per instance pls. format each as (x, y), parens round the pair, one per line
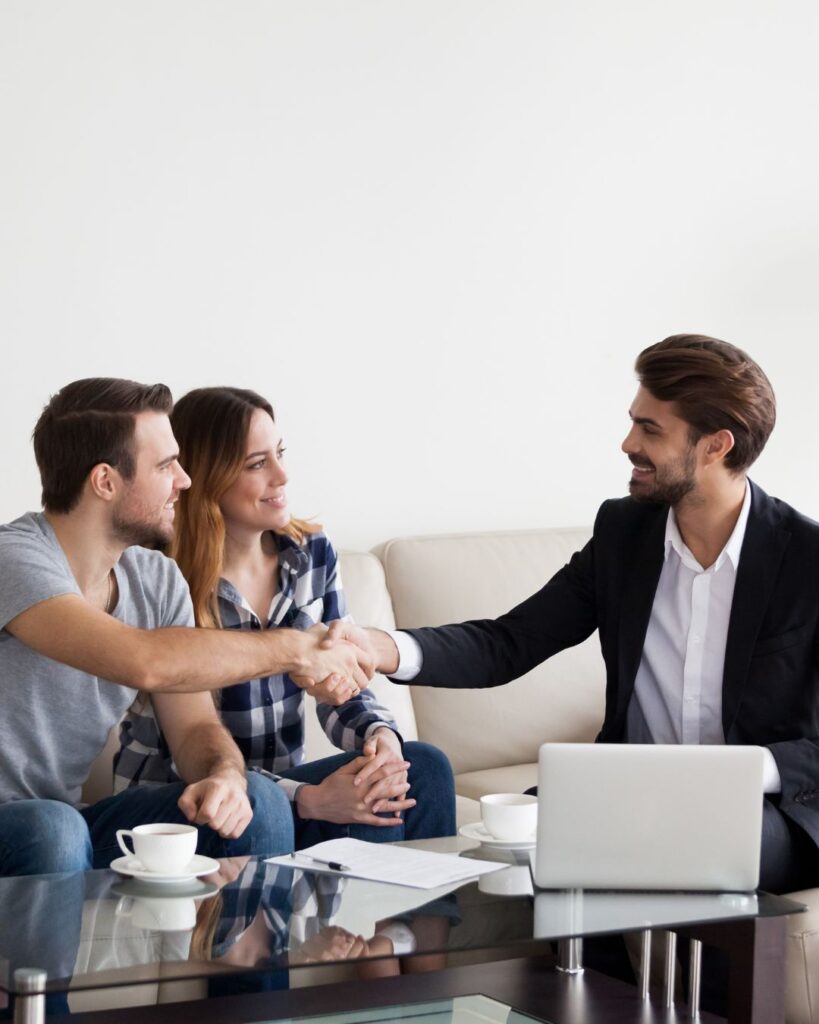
(197, 866)
(191, 889)
(477, 831)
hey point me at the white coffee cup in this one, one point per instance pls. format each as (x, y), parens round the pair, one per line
(162, 847)
(509, 816)
(176, 914)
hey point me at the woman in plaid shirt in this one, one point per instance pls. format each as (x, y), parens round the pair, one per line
(250, 565)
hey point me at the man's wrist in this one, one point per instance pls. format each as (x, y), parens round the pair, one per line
(387, 657)
(289, 651)
(229, 769)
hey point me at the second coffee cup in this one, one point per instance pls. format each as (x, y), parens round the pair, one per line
(162, 847)
(509, 816)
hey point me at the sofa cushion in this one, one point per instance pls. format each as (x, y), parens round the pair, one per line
(369, 603)
(436, 580)
(802, 960)
(516, 778)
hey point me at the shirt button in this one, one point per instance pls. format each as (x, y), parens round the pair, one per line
(696, 638)
(690, 700)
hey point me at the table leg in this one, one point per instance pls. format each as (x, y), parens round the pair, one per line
(756, 948)
(29, 1001)
(670, 969)
(570, 956)
(645, 963)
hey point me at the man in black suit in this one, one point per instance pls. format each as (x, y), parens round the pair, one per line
(704, 590)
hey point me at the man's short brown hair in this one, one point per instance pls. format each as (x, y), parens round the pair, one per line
(88, 422)
(715, 386)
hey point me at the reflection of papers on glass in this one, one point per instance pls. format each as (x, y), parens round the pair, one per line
(399, 865)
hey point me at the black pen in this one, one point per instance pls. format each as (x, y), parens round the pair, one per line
(332, 864)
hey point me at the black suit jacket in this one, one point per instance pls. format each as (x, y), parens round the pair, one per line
(770, 694)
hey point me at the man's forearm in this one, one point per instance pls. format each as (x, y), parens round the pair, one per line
(209, 750)
(182, 660)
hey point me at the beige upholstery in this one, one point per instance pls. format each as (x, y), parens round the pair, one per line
(514, 778)
(435, 580)
(492, 736)
(802, 962)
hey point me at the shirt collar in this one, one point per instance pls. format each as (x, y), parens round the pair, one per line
(732, 549)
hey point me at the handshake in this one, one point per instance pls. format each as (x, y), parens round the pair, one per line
(336, 663)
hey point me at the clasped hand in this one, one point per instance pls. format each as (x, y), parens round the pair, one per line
(363, 789)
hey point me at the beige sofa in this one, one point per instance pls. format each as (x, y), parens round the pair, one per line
(492, 736)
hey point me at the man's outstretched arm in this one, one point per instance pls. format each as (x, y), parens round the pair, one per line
(183, 660)
(488, 652)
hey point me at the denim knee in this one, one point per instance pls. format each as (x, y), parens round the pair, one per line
(271, 830)
(431, 763)
(43, 837)
(433, 785)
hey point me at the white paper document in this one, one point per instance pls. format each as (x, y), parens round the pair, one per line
(380, 862)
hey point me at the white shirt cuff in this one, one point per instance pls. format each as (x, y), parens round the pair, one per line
(410, 657)
(771, 782)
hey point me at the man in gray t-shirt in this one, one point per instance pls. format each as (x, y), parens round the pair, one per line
(88, 617)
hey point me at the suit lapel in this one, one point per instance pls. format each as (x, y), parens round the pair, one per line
(637, 602)
(762, 549)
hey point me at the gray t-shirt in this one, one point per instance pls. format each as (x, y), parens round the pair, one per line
(54, 720)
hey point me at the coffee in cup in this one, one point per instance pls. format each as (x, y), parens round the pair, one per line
(509, 816)
(162, 847)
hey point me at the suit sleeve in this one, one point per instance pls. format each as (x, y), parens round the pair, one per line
(798, 764)
(491, 652)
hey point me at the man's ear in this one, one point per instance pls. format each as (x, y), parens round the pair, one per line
(104, 481)
(718, 446)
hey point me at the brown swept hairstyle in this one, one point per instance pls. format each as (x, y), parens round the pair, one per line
(715, 386)
(211, 427)
(88, 422)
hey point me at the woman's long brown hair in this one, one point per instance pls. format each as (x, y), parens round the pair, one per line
(211, 426)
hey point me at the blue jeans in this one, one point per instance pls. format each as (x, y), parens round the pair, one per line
(39, 837)
(431, 784)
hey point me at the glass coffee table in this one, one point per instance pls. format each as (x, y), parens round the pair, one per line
(256, 932)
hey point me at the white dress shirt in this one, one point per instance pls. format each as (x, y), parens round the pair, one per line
(677, 695)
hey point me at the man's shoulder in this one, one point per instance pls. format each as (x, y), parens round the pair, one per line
(779, 513)
(30, 540)
(627, 515)
(149, 564)
(28, 527)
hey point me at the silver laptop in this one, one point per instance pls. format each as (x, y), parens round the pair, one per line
(628, 816)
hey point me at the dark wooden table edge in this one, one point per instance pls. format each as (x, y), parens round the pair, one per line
(530, 984)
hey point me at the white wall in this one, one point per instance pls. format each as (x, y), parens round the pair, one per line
(434, 233)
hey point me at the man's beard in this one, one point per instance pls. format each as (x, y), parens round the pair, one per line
(135, 529)
(671, 483)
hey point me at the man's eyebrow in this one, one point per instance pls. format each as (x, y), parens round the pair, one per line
(168, 461)
(643, 420)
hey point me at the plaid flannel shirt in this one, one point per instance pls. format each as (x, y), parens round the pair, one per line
(265, 716)
(296, 905)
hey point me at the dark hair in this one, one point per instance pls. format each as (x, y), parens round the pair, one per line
(715, 386)
(88, 422)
